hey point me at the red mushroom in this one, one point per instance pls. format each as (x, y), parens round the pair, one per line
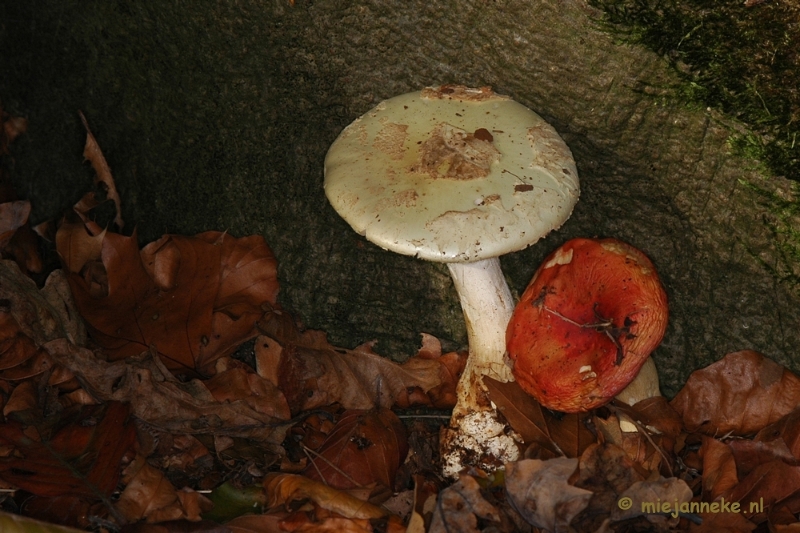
(586, 324)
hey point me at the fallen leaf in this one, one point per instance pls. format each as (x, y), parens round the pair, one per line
(654, 500)
(739, 394)
(460, 506)
(195, 298)
(719, 468)
(149, 495)
(748, 454)
(282, 489)
(10, 128)
(606, 471)
(41, 314)
(655, 413)
(540, 492)
(313, 373)
(768, 484)
(82, 459)
(13, 215)
(722, 523)
(787, 430)
(10, 523)
(160, 400)
(558, 433)
(365, 447)
(237, 384)
(93, 154)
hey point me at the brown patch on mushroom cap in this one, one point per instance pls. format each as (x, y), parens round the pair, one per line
(460, 92)
(453, 153)
(585, 325)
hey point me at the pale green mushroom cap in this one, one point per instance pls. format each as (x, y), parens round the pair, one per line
(451, 174)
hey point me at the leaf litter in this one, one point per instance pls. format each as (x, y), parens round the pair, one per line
(128, 406)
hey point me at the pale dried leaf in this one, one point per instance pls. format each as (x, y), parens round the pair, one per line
(94, 155)
(157, 398)
(459, 507)
(541, 493)
(43, 315)
(663, 492)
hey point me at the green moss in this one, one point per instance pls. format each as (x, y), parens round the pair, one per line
(738, 57)
(784, 222)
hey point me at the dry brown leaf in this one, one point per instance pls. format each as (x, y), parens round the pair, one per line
(559, 434)
(607, 471)
(149, 495)
(77, 246)
(662, 492)
(739, 394)
(93, 154)
(20, 358)
(237, 383)
(24, 396)
(787, 430)
(723, 523)
(365, 447)
(312, 373)
(158, 399)
(282, 489)
(719, 468)
(541, 493)
(656, 413)
(768, 484)
(13, 215)
(42, 315)
(195, 298)
(10, 128)
(749, 454)
(81, 460)
(460, 506)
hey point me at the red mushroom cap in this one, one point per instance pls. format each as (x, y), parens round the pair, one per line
(585, 325)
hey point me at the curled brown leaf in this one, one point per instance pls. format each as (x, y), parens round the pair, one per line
(739, 394)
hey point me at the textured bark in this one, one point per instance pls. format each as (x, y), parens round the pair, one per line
(217, 115)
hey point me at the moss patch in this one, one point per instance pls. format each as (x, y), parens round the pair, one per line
(740, 57)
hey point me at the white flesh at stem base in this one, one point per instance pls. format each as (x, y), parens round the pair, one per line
(475, 432)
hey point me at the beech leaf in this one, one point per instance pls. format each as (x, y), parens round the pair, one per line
(195, 298)
(560, 434)
(312, 373)
(365, 447)
(80, 460)
(739, 394)
(159, 399)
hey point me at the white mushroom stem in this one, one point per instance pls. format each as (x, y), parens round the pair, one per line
(644, 386)
(475, 434)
